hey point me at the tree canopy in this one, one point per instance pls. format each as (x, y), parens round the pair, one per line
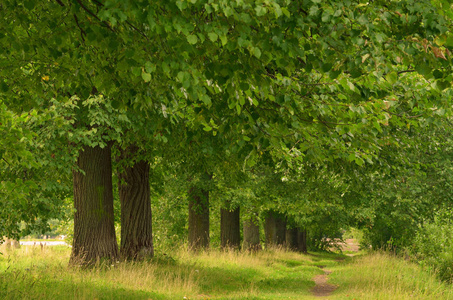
(301, 88)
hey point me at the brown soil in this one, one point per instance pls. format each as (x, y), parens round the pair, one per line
(323, 288)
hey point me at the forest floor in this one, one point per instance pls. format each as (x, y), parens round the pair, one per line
(35, 272)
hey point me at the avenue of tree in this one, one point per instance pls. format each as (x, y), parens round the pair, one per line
(295, 112)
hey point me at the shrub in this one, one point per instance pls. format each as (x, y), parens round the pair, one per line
(433, 244)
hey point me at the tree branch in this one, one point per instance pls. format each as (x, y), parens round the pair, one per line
(61, 3)
(94, 15)
(82, 32)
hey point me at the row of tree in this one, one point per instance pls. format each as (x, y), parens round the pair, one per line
(214, 90)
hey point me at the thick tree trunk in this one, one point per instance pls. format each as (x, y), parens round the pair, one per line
(94, 231)
(230, 236)
(136, 217)
(302, 240)
(291, 239)
(275, 229)
(251, 231)
(198, 219)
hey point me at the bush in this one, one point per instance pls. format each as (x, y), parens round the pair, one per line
(433, 244)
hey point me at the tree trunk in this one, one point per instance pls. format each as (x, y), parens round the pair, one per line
(198, 219)
(136, 217)
(302, 240)
(94, 231)
(230, 236)
(291, 239)
(275, 229)
(251, 231)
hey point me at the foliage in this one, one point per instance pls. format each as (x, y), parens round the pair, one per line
(316, 109)
(399, 196)
(433, 246)
(33, 180)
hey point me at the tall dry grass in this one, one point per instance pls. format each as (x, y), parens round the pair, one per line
(381, 275)
(43, 273)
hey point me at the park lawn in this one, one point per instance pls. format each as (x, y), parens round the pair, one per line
(43, 273)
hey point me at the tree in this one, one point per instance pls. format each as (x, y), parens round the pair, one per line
(198, 218)
(94, 230)
(306, 81)
(230, 236)
(136, 216)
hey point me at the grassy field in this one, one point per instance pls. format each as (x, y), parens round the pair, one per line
(43, 273)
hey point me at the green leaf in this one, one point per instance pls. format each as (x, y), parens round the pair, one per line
(136, 71)
(115, 104)
(278, 10)
(206, 100)
(213, 36)
(257, 52)
(286, 12)
(146, 76)
(29, 4)
(351, 86)
(334, 74)
(4, 87)
(449, 41)
(326, 67)
(192, 39)
(150, 67)
(438, 74)
(442, 85)
(423, 69)
(392, 77)
(260, 10)
(223, 39)
(244, 86)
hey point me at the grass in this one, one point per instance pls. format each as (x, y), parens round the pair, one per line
(380, 275)
(43, 273)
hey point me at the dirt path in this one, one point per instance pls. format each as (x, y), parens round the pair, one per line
(322, 287)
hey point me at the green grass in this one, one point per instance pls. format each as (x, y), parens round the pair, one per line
(35, 273)
(380, 275)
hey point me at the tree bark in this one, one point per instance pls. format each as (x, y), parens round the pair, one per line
(136, 216)
(302, 240)
(275, 229)
(94, 231)
(230, 236)
(291, 239)
(251, 231)
(198, 219)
